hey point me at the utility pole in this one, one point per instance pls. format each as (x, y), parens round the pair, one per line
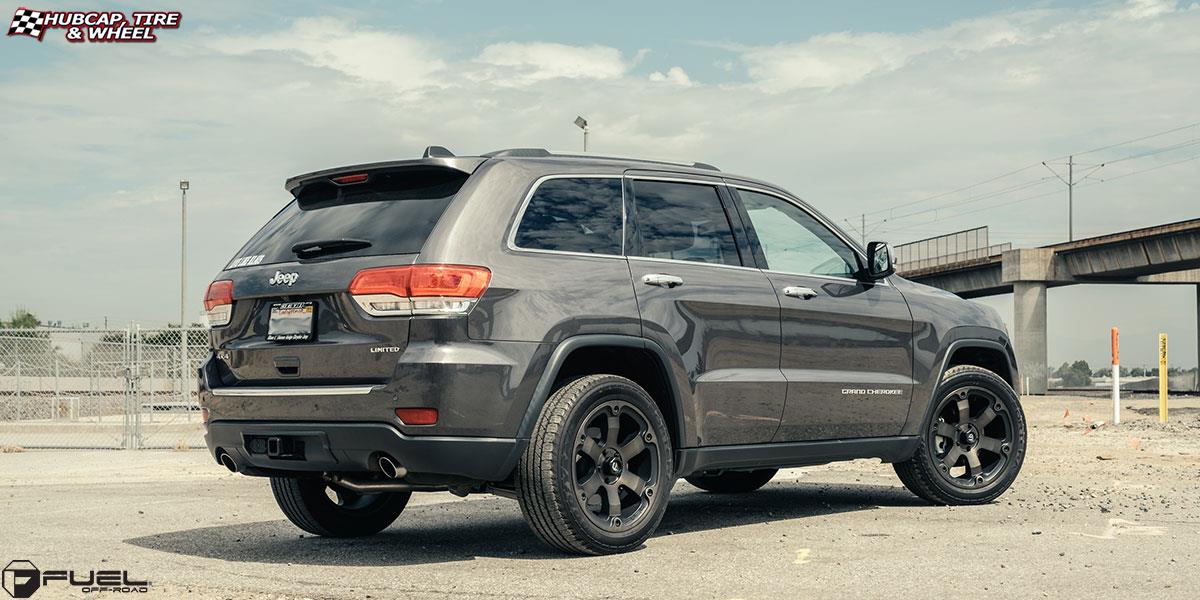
(861, 229)
(183, 332)
(1070, 183)
(1071, 198)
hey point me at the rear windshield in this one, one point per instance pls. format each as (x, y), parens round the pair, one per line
(391, 213)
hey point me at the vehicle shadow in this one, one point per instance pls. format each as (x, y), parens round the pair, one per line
(494, 527)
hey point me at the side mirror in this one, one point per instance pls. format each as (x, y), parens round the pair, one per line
(879, 261)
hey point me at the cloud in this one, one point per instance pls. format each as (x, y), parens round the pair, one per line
(1145, 9)
(852, 121)
(401, 61)
(838, 59)
(674, 75)
(512, 63)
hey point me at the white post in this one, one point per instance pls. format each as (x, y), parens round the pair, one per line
(1116, 378)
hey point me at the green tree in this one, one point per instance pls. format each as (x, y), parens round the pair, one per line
(1076, 374)
(22, 319)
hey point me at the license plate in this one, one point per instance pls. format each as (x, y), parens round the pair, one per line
(291, 322)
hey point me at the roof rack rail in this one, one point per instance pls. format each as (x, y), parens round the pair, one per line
(519, 152)
(544, 153)
(437, 152)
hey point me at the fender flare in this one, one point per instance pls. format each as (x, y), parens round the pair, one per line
(1004, 349)
(541, 393)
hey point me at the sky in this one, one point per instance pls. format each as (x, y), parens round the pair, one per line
(927, 118)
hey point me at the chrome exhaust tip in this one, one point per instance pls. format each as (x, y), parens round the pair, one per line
(390, 469)
(227, 461)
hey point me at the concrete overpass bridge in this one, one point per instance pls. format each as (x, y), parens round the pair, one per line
(1162, 255)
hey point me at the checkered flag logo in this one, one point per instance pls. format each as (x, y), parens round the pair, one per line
(28, 22)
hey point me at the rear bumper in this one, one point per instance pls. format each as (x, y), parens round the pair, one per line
(354, 447)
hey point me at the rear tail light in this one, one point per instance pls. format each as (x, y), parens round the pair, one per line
(218, 303)
(417, 416)
(419, 289)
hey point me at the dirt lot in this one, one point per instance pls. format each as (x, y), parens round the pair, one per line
(1103, 513)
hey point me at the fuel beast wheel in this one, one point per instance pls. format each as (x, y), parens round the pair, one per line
(973, 443)
(598, 470)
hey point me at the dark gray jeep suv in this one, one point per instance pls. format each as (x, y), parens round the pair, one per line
(577, 332)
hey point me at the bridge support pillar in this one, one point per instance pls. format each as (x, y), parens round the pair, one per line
(1029, 317)
(1030, 270)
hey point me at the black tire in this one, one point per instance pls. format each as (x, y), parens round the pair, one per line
(732, 482)
(972, 444)
(578, 471)
(308, 505)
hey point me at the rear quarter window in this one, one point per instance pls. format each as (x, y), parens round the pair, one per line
(575, 214)
(393, 211)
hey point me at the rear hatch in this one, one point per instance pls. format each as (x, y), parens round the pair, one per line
(293, 321)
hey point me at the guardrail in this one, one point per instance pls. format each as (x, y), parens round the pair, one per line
(952, 258)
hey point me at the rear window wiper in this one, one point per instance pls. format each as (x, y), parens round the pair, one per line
(313, 248)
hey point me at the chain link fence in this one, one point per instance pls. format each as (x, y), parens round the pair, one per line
(86, 388)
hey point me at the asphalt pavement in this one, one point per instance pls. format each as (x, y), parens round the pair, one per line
(1098, 512)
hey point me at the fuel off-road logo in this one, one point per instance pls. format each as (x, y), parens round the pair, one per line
(22, 579)
(94, 26)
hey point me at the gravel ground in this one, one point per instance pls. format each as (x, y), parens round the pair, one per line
(1105, 512)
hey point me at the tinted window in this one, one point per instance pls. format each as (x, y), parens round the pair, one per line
(683, 221)
(393, 211)
(579, 214)
(795, 242)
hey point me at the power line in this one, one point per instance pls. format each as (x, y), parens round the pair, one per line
(1042, 195)
(1184, 144)
(1162, 166)
(985, 208)
(969, 200)
(1034, 165)
(944, 194)
(1071, 181)
(1143, 138)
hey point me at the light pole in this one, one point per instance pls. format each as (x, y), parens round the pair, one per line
(183, 331)
(581, 123)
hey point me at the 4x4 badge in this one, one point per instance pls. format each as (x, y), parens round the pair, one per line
(283, 279)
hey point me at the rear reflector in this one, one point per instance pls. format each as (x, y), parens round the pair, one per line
(218, 303)
(348, 179)
(419, 289)
(417, 416)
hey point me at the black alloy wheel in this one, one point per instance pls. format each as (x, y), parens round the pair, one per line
(971, 437)
(616, 466)
(973, 443)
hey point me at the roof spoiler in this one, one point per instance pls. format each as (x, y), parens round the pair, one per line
(463, 164)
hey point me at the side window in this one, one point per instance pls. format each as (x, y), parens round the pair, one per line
(579, 214)
(683, 221)
(795, 242)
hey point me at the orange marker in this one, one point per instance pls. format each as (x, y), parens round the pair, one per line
(1116, 377)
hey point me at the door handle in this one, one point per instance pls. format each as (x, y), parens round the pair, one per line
(795, 291)
(662, 280)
